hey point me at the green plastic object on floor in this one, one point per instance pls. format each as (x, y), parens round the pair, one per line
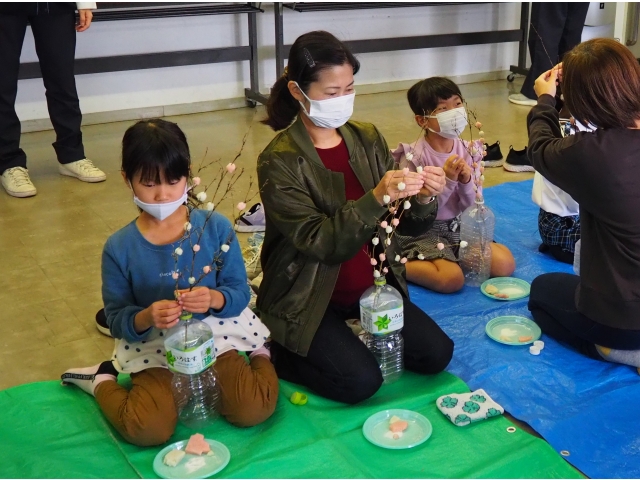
(51, 431)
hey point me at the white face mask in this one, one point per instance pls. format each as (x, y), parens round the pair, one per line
(452, 122)
(160, 210)
(329, 113)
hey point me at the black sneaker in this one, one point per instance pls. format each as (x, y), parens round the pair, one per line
(494, 155)
(517, 161)
(101, 323)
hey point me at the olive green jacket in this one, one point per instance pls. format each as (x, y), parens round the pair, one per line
(311, 228)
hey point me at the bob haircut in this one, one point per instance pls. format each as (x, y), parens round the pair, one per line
(424, 96)
(601, 84)
(157, 149)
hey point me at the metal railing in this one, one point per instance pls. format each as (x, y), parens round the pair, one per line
(633, 18)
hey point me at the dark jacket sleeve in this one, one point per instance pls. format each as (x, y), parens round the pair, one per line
(562, 161)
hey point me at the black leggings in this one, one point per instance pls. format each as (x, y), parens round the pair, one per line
(339, 366)
(552, 304)
(557, 252)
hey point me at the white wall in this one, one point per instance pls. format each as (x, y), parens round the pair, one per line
(140, 89)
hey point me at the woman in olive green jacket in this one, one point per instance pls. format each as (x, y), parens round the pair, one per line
(323, 184)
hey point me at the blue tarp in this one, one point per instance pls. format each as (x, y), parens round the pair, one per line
(580, 405)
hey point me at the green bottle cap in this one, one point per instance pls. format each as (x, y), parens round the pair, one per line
(184, 316)
(380, 281)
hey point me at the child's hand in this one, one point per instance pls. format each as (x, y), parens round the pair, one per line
(197, 300)
(547, 83)
(161, 314)
(453, 166)
(465, 173)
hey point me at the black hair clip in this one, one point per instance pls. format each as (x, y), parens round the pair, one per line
(309, 58)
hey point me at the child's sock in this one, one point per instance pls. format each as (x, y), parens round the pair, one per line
(626, 357)
(263, 350)
(90, 377)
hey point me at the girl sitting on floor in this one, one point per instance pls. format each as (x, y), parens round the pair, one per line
(439, 110)
(559, 217)
(597, 313)
(140, 301)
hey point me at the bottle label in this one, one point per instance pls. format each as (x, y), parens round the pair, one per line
(191, 361)
(383, 321)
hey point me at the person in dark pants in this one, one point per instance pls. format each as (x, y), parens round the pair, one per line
(326, 183)
(597, 313)
(54, 30)
(556, 27)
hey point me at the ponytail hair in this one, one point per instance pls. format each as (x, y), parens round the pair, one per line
(309, 55)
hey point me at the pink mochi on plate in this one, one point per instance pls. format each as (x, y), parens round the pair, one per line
(197, 445)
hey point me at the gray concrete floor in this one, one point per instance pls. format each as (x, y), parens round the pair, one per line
(50, 245)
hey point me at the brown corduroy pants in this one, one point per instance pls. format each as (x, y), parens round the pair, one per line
(146, 414)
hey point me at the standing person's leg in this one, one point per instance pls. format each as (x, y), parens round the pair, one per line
(427, 349)
(338, 365)
(249, 391)
(12, 32)
(16, 182)
(574, 24)
(55, 40)
(545, 31)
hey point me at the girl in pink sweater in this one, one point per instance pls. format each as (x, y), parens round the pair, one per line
(439, 110)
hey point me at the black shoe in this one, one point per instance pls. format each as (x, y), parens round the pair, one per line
(517, 161)
(494, 155)
(101, 323)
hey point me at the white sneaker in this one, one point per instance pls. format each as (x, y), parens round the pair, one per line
(83, 170)
(17, 183)
(251, 221)
(520, 99)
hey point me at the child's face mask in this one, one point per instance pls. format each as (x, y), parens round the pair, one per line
(452, 122)
(329, 113)
(160, 210)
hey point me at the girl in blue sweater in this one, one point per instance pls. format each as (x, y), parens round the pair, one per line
(141, 303)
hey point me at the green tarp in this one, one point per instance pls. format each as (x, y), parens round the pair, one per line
(51, 431)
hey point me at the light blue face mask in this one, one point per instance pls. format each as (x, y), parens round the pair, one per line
(160, 210)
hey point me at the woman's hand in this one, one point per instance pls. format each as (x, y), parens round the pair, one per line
(412, 181)
(84, 20)
(434, 181)
(547, 82)
(453, 167)
(198, 300)
(558, 67)
(161, 314)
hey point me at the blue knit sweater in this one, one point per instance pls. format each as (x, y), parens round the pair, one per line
(137, 273)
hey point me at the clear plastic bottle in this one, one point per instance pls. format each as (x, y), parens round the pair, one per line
(382, 317)
(576, 258)
(476, 229)
(191, 357)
